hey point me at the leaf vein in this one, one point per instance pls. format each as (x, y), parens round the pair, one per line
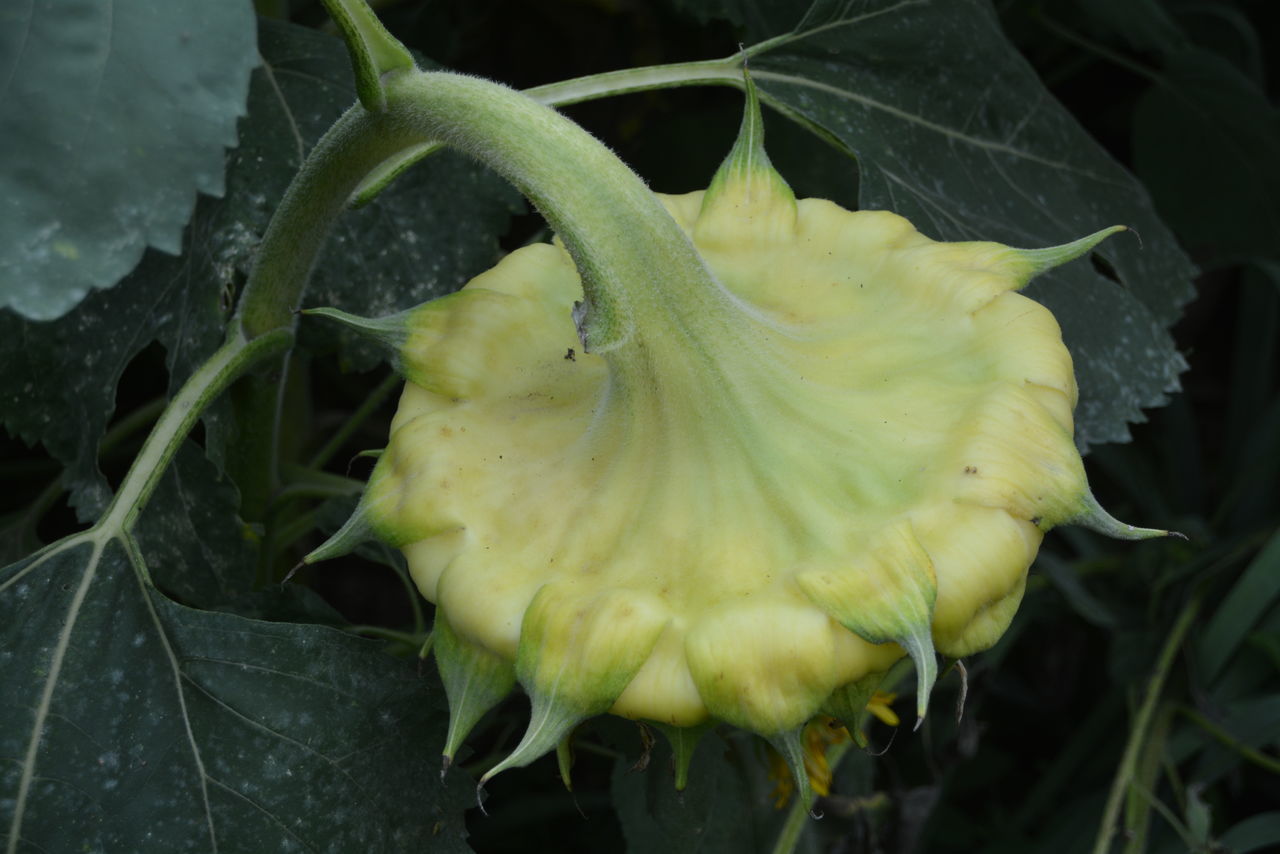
(299, 145)
(46, 695)
(260, 808)
(256, 724)
(952, 135)
(142, 576)
(22, 49)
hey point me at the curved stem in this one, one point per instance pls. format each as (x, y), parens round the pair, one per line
(355, 146)
(793, 828)
(639, 270)
(230, 361)
(726, 72)
(710, 72)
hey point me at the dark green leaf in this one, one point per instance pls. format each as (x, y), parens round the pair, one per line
(132, 723)
(1252, 724)
(1219, 186)
(1067, 580)
(1144, 24)
(203, 555)
(953, 130)
(710, 815)
(60, 378)
(112, 117)
(1254, 593)
(425, 236)
(1256, 833)
(757, 18)
(1199, 816)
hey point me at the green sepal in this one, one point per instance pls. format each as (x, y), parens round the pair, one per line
(356, 531)
(1038, 261)
(564, 760)
(550, 723)
(886, 596)
(684, 741)
(390, 332)
(848, 704)
(575, 657)
(919, 645)
(790, 746)
(747, 173)
(374, 51)
(1095, 518)
(475, 680)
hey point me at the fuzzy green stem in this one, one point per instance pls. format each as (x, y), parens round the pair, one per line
(793, 828)
(231, 360)
(374, 52)
(724, 72)
(361, 154)
(646, 288)
(711, 72)
(355, 146)
(642, 278)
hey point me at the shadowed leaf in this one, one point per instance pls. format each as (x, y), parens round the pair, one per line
(112, 117)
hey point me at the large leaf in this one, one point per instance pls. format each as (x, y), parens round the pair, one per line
(757, 18)
(711, 814)
(1220, 184)
(423, 237)
(201, 553)
(112, 117)
(129, 722)
(952, 129)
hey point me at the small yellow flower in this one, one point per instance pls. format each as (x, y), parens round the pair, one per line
(879, 706)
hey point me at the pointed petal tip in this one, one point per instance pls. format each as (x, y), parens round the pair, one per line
(1095, 518)
(297, 567)
(920, 647)
(391, 331)
(344, 541)
(747, 173)
(491, 773)
(684, 741)
(1042, 260)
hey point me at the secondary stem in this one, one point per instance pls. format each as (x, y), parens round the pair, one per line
(231, 360)
(1138, 732)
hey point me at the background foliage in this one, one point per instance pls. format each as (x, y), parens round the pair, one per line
(201, 701)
